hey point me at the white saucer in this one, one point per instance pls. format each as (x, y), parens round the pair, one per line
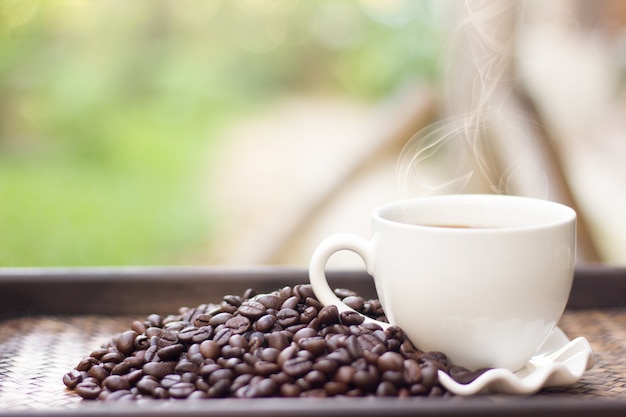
(558, 362)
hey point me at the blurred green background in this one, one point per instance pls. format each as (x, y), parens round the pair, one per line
(109, 108)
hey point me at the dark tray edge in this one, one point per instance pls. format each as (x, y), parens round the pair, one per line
(347, 407)
(132, 290)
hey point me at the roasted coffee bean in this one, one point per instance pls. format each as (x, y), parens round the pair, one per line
(167, 338)
(198, 395)
(297, 366)
(139, 326)
(87, 363)
(241, 381)
(202, 320)
(168, 380)
(186, 334)
(270, 301)
(238, 340)
(229, 351)
(326, 366)
(286, 353)
(376, 308)
(344, 292)
(313, 302)
(202, 385)
(238, 324)
(182, 389)
(328, 315)
(386, 389)
(265, 323)
(412, 372)
(462, 375)
(290, 390)
(134, 376)
(303, 384)
(370, 357)
(315, 378)
(269, 354)
(360, 364)
(379, 349)
(395, 377)
(175, 325)
(229, 363)
(435, 356)
(340, 356)
(153, 332)
(304, 291)
(88, 390)
(429, 376)
(349, 318)
(203, 333)
(99, 372)
(99, 353)
(120, 395)
(220, 318)
(252, 309)
(228, 308)
(151, 354)
(390, 361)
(308, 315)
(304, 333)
(333, 388)
(291, 302)
(293, 329)
(278, 340)
(265, 368)
(249, 293)
(72, 378)
(171, 352)
(220, 374)
(219, 389)
(287, 317)
(233, 300)
(243, 368)
(435, 364)
(266, 388)
(120, 369)
(354, 347)
(393, 345)
(126, 342)
(366, 380)
(159, 369)
(185, 365)
(208, 369)
(147, 385)
(116, 383)
(222, 336)
(316, 344)
(141, 342)
(155, 320)
(210, 349)
(355, 302)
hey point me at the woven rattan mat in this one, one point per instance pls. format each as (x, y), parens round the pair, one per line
(35, 352)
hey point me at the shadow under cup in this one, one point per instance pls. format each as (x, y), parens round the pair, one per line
(481, 278)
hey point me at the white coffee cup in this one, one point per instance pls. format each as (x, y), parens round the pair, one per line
(481, 278)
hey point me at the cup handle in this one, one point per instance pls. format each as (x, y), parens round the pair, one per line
(317, 266)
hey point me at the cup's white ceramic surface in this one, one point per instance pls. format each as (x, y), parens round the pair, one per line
(481, 278)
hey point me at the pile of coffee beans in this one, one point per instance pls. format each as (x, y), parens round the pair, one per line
(279, 344)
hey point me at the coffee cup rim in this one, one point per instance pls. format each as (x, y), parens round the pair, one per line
(560, 214)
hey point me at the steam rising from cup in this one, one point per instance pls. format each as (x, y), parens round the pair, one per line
(484, 144)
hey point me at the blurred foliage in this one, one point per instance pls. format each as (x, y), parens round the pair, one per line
(109, 108)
